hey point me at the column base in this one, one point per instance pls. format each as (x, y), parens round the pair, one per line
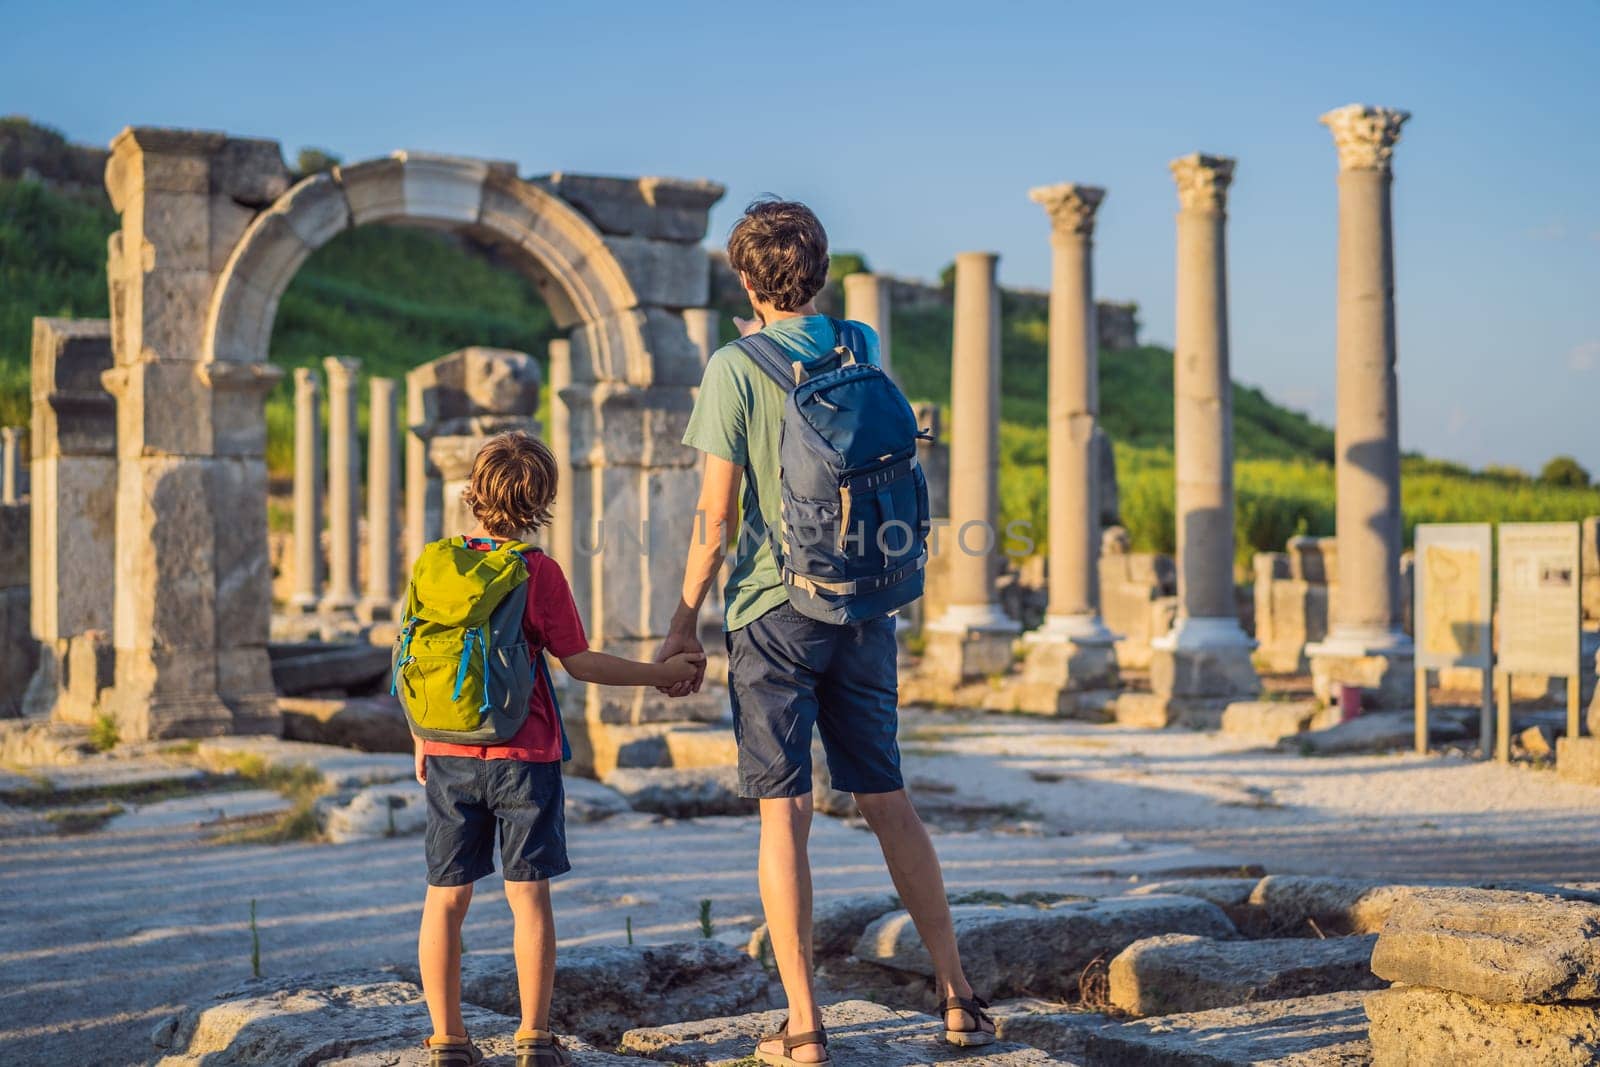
(1204, 659)
(371, 610)
(1058, 666)
(968, 643)
(1381, 663)
(304, 604)
(338, 606)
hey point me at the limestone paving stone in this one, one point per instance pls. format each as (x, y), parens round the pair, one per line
(589, 801)
(1180, 973)
(1017, 949)
(836, 924)
(1419, 1027)
(1232, 895)
(206, 809)
(1291, 903)
(1495, 945)
(1578, 758)
(1377, 732)
(860, 1033)
(391, 809)
(340, 767)
(1321, 1031)
(1048, 1025)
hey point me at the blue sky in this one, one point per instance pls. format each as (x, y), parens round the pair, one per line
(917, 128)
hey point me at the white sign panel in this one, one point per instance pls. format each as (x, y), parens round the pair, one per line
(1454, 595)
(1539, 598)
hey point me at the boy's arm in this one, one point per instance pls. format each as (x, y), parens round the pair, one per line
(602, 668)
(717, 512)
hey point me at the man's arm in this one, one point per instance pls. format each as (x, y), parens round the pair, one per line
(717, 513)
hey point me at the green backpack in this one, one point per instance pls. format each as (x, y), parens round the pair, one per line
(462, 667)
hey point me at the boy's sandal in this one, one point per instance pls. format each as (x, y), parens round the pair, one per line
(791, 1042)
(541, 1048)
(452, 1053)
(974, 1036)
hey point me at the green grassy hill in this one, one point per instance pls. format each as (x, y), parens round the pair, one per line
(395, 298)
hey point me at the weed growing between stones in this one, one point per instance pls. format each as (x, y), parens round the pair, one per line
(300, 783)
(1094, 984)
(255, 942)
(83, 820)
(707, 928)
(627, 924)
(103, 733)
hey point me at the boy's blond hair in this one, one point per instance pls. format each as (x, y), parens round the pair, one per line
(513, 482)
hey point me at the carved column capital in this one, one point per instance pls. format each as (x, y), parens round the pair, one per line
(1203, 182)
(1071, 206)
(1365, 136)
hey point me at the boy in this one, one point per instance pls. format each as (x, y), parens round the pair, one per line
(788, 673)
(515, 787)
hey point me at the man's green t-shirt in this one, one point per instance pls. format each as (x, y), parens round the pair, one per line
(738, 416)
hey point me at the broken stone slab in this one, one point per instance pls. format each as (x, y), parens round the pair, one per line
(1494, 945)
(97, 773)
(836, 925)
(1048, 1025)
(1269, 721)
(1578, 759)
(390, 809)
(860, 1033)
(1232, 895)
(1020, 949)
(358, 1019)
(681, 792)
(603, 990)
(1414, 1025)
(312, 666)
(341, 768)
(1177, 973)
(205, 809)
(1378, 731)
(589, 801)
(1296, 905)
(1323, 1031)
(369, 724)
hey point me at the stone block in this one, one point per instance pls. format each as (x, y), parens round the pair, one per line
(836, 925)
(1046, 1025)
(439, 188)
(1177, 973)
(612, 424)
(163, 409)
(75, 528)
(391, 809)
(237, 495)
(1069, 665)
(667, 274)
(1494, 945)
(1386, 681)
(369, 724)
(374, 189)
(169, 310)
(21, 657)
(73, 414)
(249, 170)
(1578, 760)
(669, 209)
(1041, 950)
(1269, 721)
(308, 668)
(244, 683)
(1416, 1027)
(1295, 905)
(1379, 731)
(681, 792)
(1223, 672)
(1232, 895)
(90, 670)
(638, 346)
(1322, 1031)
(16, 523)
(956, 656)
(316, 209)
(165, 554)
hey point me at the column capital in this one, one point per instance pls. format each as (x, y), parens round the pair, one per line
(1365, 136)
(342, 370)
(1203, 182)
(1071, 206)
(306, 381)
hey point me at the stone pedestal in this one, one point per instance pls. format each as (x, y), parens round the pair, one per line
(307, 596)
(704, 326)
(73, 509)
(867, 300)
(1366, 644)
(1207, 655)
(344, 485)
(11, 471)
(383, 498)
(971, 638)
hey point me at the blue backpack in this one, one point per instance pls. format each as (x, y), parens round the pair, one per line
(852, 540)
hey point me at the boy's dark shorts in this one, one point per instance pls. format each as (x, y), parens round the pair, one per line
(788, 672)
(470, 799)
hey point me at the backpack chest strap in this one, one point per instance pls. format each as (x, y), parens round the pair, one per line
(857, 587)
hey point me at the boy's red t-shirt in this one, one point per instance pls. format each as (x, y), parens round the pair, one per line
(551, 623)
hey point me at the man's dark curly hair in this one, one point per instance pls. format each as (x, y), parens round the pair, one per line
(782, 250)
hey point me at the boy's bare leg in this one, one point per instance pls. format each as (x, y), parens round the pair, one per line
(914, 866)
(784, 871)
(439, 956)
(534, 945)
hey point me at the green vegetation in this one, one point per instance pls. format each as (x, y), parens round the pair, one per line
(708, 929)
(395, 298)
(255, 941)
(103, 733)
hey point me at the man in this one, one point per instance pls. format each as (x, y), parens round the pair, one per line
(788, 672)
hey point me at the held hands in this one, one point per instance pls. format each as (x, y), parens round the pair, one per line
(684, 651)
(684, 667)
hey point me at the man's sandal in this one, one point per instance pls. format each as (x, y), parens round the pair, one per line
(461, 1053)
(540, 1048)
(970, 1038)
(819, 1036)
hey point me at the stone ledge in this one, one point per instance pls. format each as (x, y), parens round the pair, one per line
(1426, 1026)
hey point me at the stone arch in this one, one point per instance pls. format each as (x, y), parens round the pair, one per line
(212, 232)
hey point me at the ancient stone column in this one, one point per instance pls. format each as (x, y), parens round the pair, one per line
(703, 325)
(344, 473)
(1073, 650)
(1206, 657)
(10, 464)
(1366, 644)
(971, 638)
(307, 594)
(866, 299)
(383, 502)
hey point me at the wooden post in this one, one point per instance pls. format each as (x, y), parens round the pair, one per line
(1422, 710)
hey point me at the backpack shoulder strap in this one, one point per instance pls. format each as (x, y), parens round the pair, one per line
(766, 354)
(851, 337)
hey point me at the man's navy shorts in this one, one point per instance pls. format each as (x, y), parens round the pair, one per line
(788, 672)
(472, 801)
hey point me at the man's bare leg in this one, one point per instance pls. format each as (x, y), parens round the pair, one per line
(534, 946)
(784, 871)
(439, 956)
(914, 866)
